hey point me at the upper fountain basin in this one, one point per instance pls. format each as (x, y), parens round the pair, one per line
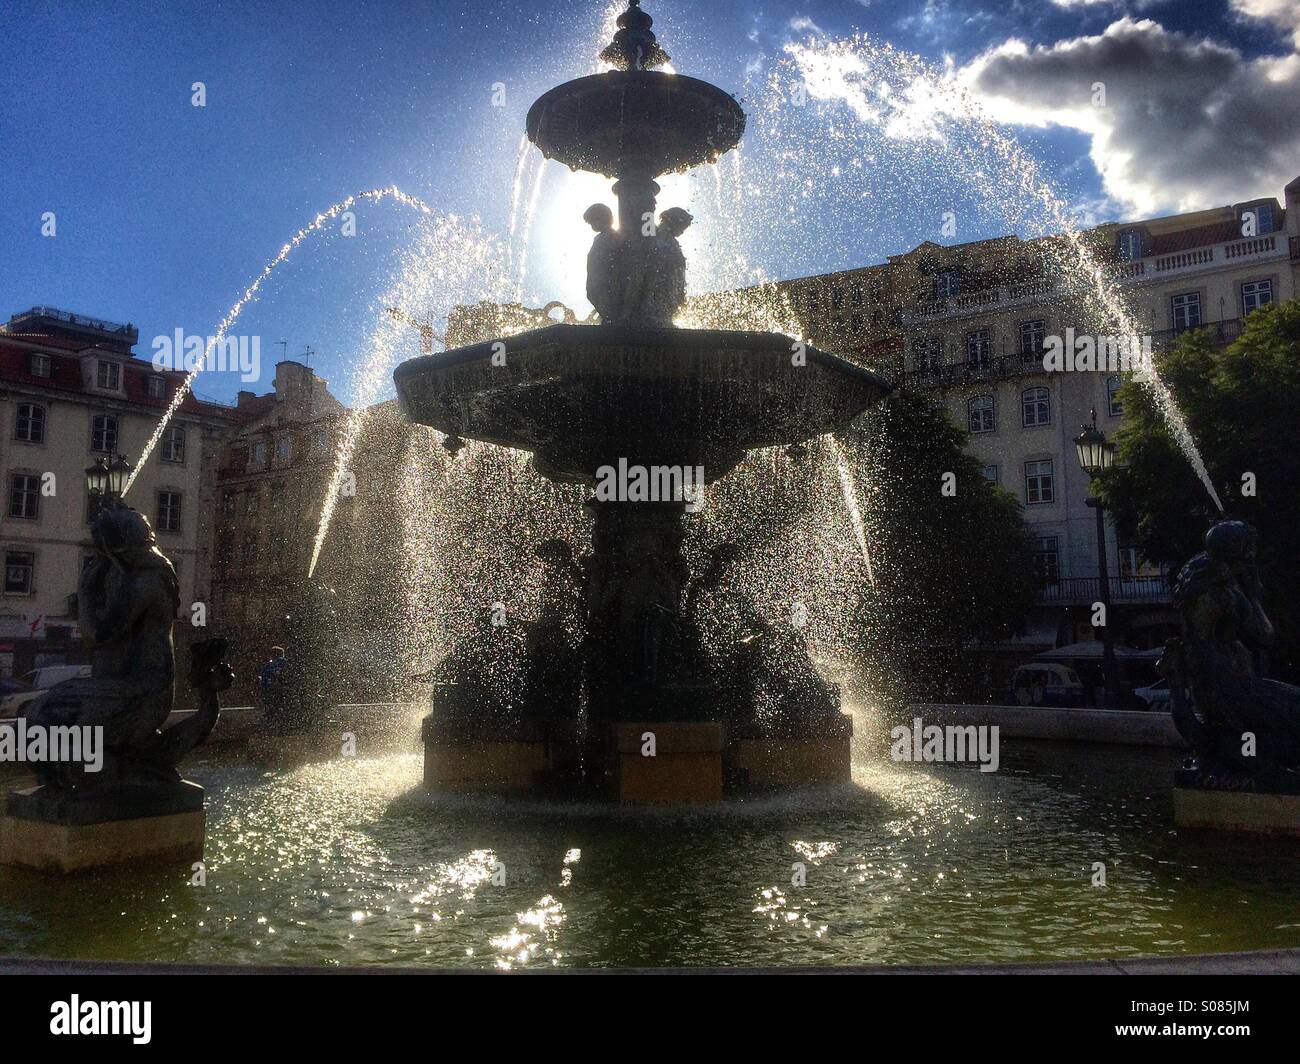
(580, 397)
(635, 121)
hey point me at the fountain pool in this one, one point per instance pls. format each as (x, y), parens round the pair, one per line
(351, 862)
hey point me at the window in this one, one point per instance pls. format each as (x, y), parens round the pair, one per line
(320, 441)
(169, 511)
(1039, 482)
(1035, 407)
(109, 376)
(257, 455)
(156, 386)
(1263, 213)
(40, 365)
(979, 348)
(277, 495)
(173, 444)
(25, 496)
(1186, 310)
(1255, 294)
(228, 502)
(103, 433)
(1113, 402)
(979, 413)
(947, 284)
(20, 569)
(1130, 244)
(1047, 560)
(252, 502)
(1031, 336)
(282, 449)
(927, 353)
(991, 474)
(1130, 563)
(837, 298)
(29, 423)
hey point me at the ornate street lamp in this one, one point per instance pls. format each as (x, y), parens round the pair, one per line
(97, 477)
(119, 472)
(1096, 455)
(107, 480)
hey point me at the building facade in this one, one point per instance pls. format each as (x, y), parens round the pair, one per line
(968, 324)
(71, 392)
(273, 476)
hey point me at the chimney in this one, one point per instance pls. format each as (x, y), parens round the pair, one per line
(1292, 194)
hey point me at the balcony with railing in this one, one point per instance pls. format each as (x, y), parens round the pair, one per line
(999, 297)
(1136, 271)
(1085, 590)
(1219, 332)
(974, 371)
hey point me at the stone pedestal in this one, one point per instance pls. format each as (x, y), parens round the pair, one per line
(57, 832)
(531, 757)
(1246, 812)
(686, 766)
(800, 761)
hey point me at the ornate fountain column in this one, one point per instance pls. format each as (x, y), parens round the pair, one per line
(636, 391)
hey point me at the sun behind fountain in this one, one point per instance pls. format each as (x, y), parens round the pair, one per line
(650, 415)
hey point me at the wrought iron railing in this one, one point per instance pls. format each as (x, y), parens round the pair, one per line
(1002, 367)
(1087, 589)
(1219, 332)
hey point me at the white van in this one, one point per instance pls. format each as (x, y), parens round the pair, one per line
(39, 681)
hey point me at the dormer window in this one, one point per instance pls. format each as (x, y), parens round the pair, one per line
(156, 386)
(947, 284)
(1130, 245)
(109, 376)
(40, 365)
(1257, 219)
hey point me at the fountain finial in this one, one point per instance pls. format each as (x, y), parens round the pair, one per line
(634, 46)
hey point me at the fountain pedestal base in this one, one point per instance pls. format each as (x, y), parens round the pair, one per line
(73, 834)
(1244, 812)
(527, 758)
(668, 762)
(812, 760)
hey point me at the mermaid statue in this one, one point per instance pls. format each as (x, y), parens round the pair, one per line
(127, 600)
(1244, 730)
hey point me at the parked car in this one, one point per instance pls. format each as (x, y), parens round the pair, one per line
(1047, 684)
(1155, 696)
(36, 683)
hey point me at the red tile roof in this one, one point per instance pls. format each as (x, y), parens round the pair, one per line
(65, 373)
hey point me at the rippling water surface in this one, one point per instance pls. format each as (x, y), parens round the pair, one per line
(350, 862)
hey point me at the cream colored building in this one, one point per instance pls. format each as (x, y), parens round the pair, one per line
(968, 323)
(72, 391)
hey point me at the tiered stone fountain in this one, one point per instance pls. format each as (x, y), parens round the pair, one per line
(643, 710)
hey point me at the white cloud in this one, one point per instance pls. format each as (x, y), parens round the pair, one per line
(1282, 13)
(1186, 123)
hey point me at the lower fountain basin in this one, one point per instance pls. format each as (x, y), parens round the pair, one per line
(580, 397)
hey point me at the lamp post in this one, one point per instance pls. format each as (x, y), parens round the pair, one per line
(1095, 456)
(106, 480)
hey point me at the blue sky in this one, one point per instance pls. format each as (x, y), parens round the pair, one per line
(165, 211)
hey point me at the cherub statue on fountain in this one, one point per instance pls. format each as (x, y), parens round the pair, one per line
(639, 279)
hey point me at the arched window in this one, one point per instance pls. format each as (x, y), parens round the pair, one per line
(1113, 402)
(979, 413)
(1035, 407)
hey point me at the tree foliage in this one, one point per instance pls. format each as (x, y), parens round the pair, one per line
(951, 568)
(1242, 405)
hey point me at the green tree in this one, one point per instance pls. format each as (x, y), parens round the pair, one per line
(952, 556)
(1242, 405)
